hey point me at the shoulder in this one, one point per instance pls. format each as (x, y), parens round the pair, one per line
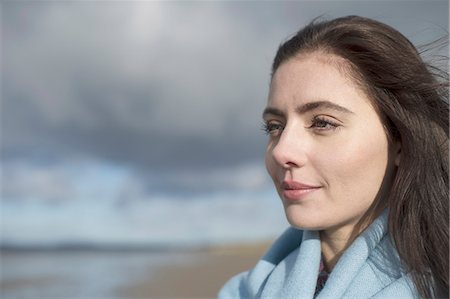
(402, 287)
(387, 265)
(382, 275)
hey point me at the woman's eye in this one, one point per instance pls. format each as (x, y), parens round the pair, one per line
(323, 124)
(272, 129)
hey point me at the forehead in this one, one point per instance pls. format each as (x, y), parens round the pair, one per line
(315, 76)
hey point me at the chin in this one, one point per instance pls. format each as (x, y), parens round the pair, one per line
(305, 220)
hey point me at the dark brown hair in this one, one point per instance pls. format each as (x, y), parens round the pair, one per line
(412, 100)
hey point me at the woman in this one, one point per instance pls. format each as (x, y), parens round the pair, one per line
(358, 152)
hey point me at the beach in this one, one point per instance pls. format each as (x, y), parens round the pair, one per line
(200, 279)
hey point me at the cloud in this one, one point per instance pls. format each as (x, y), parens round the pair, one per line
(62, 182)
(100, 87)
(90, 180)
(171, 90)
(138, 122)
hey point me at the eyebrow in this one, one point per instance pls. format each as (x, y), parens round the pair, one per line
(307, 108)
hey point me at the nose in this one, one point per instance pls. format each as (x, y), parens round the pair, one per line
(289, 151)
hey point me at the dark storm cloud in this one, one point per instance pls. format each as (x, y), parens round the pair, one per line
(159, 87)
(186, 95)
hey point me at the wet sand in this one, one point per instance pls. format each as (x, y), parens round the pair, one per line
(200, 279)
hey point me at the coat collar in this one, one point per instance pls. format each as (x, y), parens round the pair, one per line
(291, 266)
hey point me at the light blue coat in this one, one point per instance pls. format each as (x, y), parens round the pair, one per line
(369, 268)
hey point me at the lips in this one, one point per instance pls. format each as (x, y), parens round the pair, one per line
(294, 191)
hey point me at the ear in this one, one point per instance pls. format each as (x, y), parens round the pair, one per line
(398, 152)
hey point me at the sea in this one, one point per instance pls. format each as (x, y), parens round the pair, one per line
(81, 274)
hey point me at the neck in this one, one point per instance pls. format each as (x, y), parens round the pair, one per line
(334, 241)
(333, 244)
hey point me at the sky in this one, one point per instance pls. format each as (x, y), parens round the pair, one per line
(140, 122)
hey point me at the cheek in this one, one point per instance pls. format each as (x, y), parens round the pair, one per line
(358, 167)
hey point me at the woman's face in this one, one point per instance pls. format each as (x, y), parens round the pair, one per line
(328, 151)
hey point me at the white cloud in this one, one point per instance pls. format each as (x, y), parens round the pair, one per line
(59, 182)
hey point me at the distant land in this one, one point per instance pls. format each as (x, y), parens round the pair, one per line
(5, 247)
(97, 247)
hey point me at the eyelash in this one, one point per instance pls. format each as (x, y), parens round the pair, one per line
(268, 127)
(331, 125)
(318, 123)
